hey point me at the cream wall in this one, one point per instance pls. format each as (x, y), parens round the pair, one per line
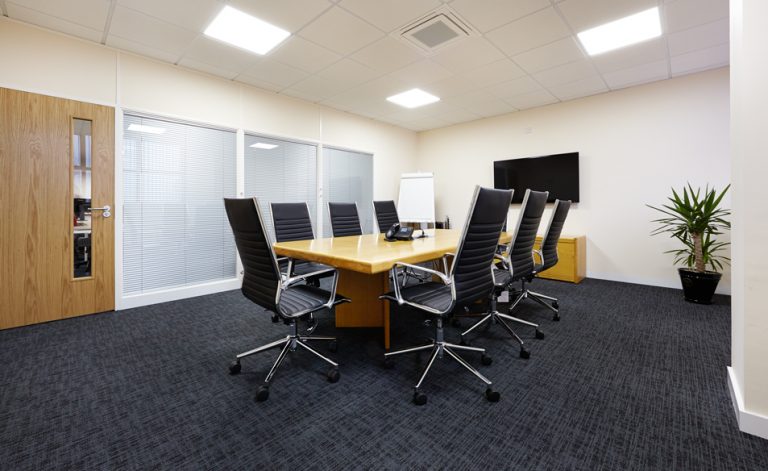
(634, 145)
(53, 64)
(748, 375)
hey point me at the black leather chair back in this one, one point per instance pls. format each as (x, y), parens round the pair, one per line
(472, 269)
(292, 222)
(261, 280)
(344, 219)
(521, 249)
(555, 228)
(386, 214)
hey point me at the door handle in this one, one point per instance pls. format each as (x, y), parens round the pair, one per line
(106, 210)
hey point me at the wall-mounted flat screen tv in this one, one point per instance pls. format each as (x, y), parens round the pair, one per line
(558, 174)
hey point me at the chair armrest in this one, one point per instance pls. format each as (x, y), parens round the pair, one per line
(399, 295)
(298, 278)
(441, 275)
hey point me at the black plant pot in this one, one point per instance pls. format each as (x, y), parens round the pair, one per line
(699, 287)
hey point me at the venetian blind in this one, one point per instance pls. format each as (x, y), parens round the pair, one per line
(348, 178)
(280, 171)
(175, 229)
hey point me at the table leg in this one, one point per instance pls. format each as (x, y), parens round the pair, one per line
(366, 309)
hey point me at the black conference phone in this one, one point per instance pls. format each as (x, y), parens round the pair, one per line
(396, 232)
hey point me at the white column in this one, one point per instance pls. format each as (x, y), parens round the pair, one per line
(748, 374)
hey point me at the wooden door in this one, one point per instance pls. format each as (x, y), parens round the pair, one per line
(39, 248)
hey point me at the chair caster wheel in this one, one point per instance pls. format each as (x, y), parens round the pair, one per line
(492, 396)
(419, 398)
(556, 318)
(333, 375)
(525, 354)
(262, 394)
(275, 318)
(333, 346)
(456, 323)
(555, 305)
(234, 367)
(486, 360)
(388, 364)
(539, 334)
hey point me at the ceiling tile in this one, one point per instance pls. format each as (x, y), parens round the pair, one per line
(514, 87)
(684, 14)
(566, 73)
(426, 123)
(389, 15)
(89, 13)
(340, 31)
(530, 32)
(302, 54)
(138, 27)
(545, 57)
(291, 15)
(580, 88)
(717, 56)
(315, 89)
(348, 73)
(387, 55)
(486, 109)
(473, 97)
(496, 72)
(451, 86)
(220, 55)
(190, 14)
(141, 49)
(532, 99)
(643, 53)
(486, 15)
(699, 37)
(639, 74)
(35, 17)
(586, 14)
(272, 72)
(421, 73)
(467, 54)
(208, 68)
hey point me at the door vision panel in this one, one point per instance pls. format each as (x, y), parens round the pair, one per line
(56, 236)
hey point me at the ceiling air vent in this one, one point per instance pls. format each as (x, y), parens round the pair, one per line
(435, 30)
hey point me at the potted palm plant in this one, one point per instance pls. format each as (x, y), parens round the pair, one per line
(695, 219)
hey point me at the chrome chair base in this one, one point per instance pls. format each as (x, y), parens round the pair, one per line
(525, 293)
(290, 343)
(439, 348)
(498, 318)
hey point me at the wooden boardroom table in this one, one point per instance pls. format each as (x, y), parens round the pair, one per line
(364, 262)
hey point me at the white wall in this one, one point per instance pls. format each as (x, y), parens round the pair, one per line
(748, 376)
(634, 145)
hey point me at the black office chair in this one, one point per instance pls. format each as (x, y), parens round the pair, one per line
(548, 258)
(263, 284)
(292, 222)
(469, 278)
(344, 219)
(386, 215)
(517, 263)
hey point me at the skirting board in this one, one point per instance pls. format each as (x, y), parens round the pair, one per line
(749, 422)
(174, 294)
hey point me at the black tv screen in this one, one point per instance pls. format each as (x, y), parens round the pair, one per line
(558, 174)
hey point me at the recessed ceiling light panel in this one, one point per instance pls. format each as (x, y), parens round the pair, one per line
(413, 98)
(263, 145)
(623, 32)
(146, 129)
(245, 31)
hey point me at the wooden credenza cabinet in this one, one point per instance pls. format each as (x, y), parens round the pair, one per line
(572, 259)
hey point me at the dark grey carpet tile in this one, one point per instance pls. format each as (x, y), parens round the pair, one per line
(633, 377)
